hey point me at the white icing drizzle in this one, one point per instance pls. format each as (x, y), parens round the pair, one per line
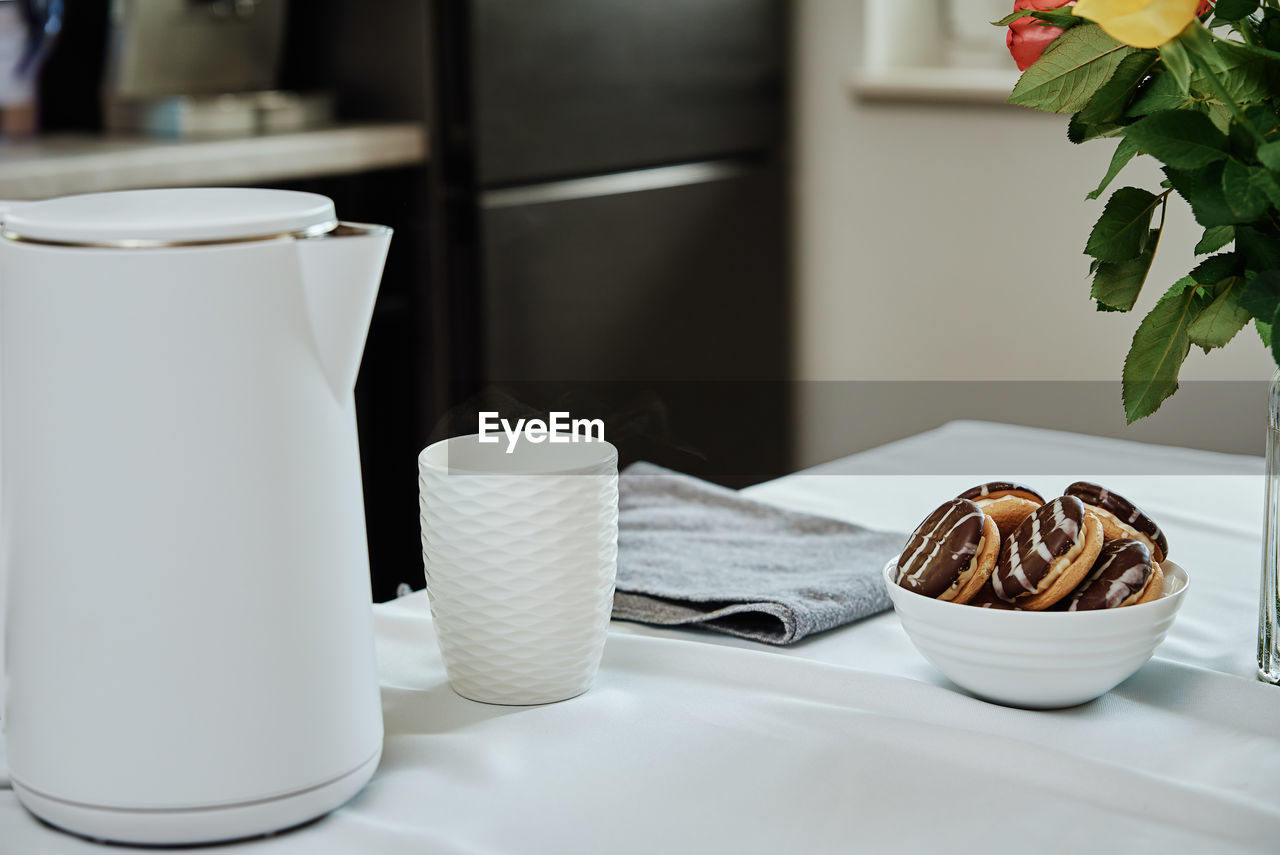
(1126, 525)
(1131, 533)
(1124, 586)
(914, 567)
(997, 587)
(1037, 545)
(1140, 592)
(1060, 521)
(966, 574)
(1120, 589)
(1015, 558)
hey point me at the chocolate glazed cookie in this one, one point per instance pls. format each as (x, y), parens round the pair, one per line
(1005, 502)
(1121, 519)
(986, 599)
(951, 554)
(1123, 575)
(1048, 555)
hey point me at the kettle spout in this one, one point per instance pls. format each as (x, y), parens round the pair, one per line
(341, 271)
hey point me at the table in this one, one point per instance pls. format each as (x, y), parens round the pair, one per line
(849, 740)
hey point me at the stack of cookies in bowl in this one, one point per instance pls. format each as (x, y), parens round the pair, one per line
(1032, 602)
(1001, 545)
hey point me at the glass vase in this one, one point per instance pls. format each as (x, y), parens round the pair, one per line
(1269, 602)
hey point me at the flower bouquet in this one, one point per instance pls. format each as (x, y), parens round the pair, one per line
(1195, 85)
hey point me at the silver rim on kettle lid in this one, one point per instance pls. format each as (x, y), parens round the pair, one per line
(332, 228)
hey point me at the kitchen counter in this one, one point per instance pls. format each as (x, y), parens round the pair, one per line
(64, 164)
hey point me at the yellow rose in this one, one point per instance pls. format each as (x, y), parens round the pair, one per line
(1141, 23)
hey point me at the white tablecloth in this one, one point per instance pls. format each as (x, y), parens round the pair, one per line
(849, 740)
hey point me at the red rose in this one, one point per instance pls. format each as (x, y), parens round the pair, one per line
(1028, 37)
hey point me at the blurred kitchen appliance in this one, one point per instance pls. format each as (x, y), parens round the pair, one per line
(28, 28)
(186, 47)
(189, 642)
(229, 114)
(611, 185)
(202, 67)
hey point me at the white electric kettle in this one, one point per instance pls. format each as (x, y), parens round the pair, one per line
(189, 651)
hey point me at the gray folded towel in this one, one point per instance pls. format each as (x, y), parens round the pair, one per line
(691, 552)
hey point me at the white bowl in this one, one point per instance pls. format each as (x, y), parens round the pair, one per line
(1038, 660)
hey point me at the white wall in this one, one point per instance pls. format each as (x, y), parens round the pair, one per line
(943, 243)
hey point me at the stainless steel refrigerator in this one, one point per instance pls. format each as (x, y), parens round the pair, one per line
(609, 184)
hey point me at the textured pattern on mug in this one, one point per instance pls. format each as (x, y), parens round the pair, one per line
(520, 573)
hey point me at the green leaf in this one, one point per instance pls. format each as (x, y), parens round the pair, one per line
(1080, 132)
(1219, 114)
(1215, 238)
(1010, 18)
(1159, 347)
(1259, 250)
(1101, 116)
(1244, 189)
(1124, 153)
(1264, 331)
(1223, 318)
(1161, 92)
(1269, 155)
(1263, 118)
(1050, 16)
(1183, 181)
(1271, 186)
(1241, 141)
(1122, 230)
(1202, 188)
(1216, 268)
(1117, 284)
(1070, 71)
(1247, 72)
(1260, 296)
(1269, 29)
(1234, 10)
(1176, 62)
(1184, 139)
(1058, 18)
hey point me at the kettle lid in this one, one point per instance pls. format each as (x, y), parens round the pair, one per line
(193, 215)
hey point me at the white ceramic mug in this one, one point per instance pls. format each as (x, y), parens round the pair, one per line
(520, 550)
